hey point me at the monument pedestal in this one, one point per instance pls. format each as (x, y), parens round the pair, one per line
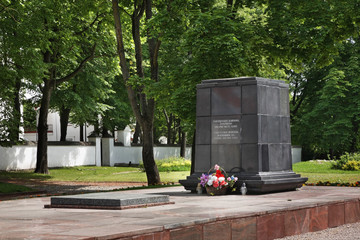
(243, 125)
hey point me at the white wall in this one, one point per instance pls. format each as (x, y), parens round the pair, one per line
(296, 154)
(70, 156)
(17, 157)
(134, 154)
(165, 152)
(126, 155)
(24, 157)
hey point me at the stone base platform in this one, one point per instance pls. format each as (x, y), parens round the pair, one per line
(257, 183)
(193, 216)
(109, 200)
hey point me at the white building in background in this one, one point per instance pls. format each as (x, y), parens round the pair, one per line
(53, 121)
(73, 132)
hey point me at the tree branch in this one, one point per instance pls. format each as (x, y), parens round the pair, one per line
(79, 68)
(7, 8)
(124, 67)
(166, 116)
(122, 9)
(90, 25)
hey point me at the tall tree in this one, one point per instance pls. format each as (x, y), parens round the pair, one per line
(143, 106)
(19, 61)
(51, 42)
(63, 37)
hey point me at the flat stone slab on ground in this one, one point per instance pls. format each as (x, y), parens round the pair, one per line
(109, 200)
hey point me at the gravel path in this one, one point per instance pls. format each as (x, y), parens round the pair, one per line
(344, 232)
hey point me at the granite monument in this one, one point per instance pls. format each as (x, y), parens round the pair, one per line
(243, 124)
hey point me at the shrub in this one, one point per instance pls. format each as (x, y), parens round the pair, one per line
(171, 164)
(351, 165)
(348, 161)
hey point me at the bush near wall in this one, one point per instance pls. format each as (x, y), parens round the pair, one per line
(171, 164)
(348, 161)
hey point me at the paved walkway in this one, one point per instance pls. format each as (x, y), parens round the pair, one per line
(191, 217)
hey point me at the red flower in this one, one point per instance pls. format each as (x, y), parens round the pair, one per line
(219, 174)
(216, 184)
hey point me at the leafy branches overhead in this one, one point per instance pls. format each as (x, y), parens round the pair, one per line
(48, 43)
(327, 120)
(308, 31)
(67, 48)
(217, 39)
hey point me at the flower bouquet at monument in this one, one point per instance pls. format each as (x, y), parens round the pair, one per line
(217, 183)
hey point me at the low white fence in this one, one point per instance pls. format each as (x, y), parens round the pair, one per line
(134, 154)
(17, 157)
(24, 157)
(112, 154)
(296, 154)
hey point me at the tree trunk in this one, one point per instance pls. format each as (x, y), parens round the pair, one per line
(179, 131)
(51, 57)
(105, 132)
(192, 170)
(64, 121)
(183, 144)
(14, 132)
(137, 133)
(151, 169)
(81, 132)
(49, 86)
(144, 108)
(354, 141)
(41, 161)
(169, 120)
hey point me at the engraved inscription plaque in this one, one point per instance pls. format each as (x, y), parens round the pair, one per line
(225, 131)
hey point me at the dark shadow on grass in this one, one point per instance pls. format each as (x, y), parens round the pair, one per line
(23, 175)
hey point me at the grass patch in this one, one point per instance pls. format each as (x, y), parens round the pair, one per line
(322, 171)
(316, 171)
(23, 175)
(171, 164)
(13, 188)
(93, 174)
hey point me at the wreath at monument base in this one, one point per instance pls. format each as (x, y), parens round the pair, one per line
(217, 183)
(212, 191)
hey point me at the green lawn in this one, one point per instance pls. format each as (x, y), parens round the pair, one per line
(94, 174)
(321, 171)
(315, 170)
(13, 188)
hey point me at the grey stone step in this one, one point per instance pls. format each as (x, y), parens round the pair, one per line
(108, 200)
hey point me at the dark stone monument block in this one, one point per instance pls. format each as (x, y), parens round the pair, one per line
(108, 200)
(225, 101)
(202, 128)
(243, 124)
(202, 153)
(203, 99)
(249, 131)
(226, 155)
